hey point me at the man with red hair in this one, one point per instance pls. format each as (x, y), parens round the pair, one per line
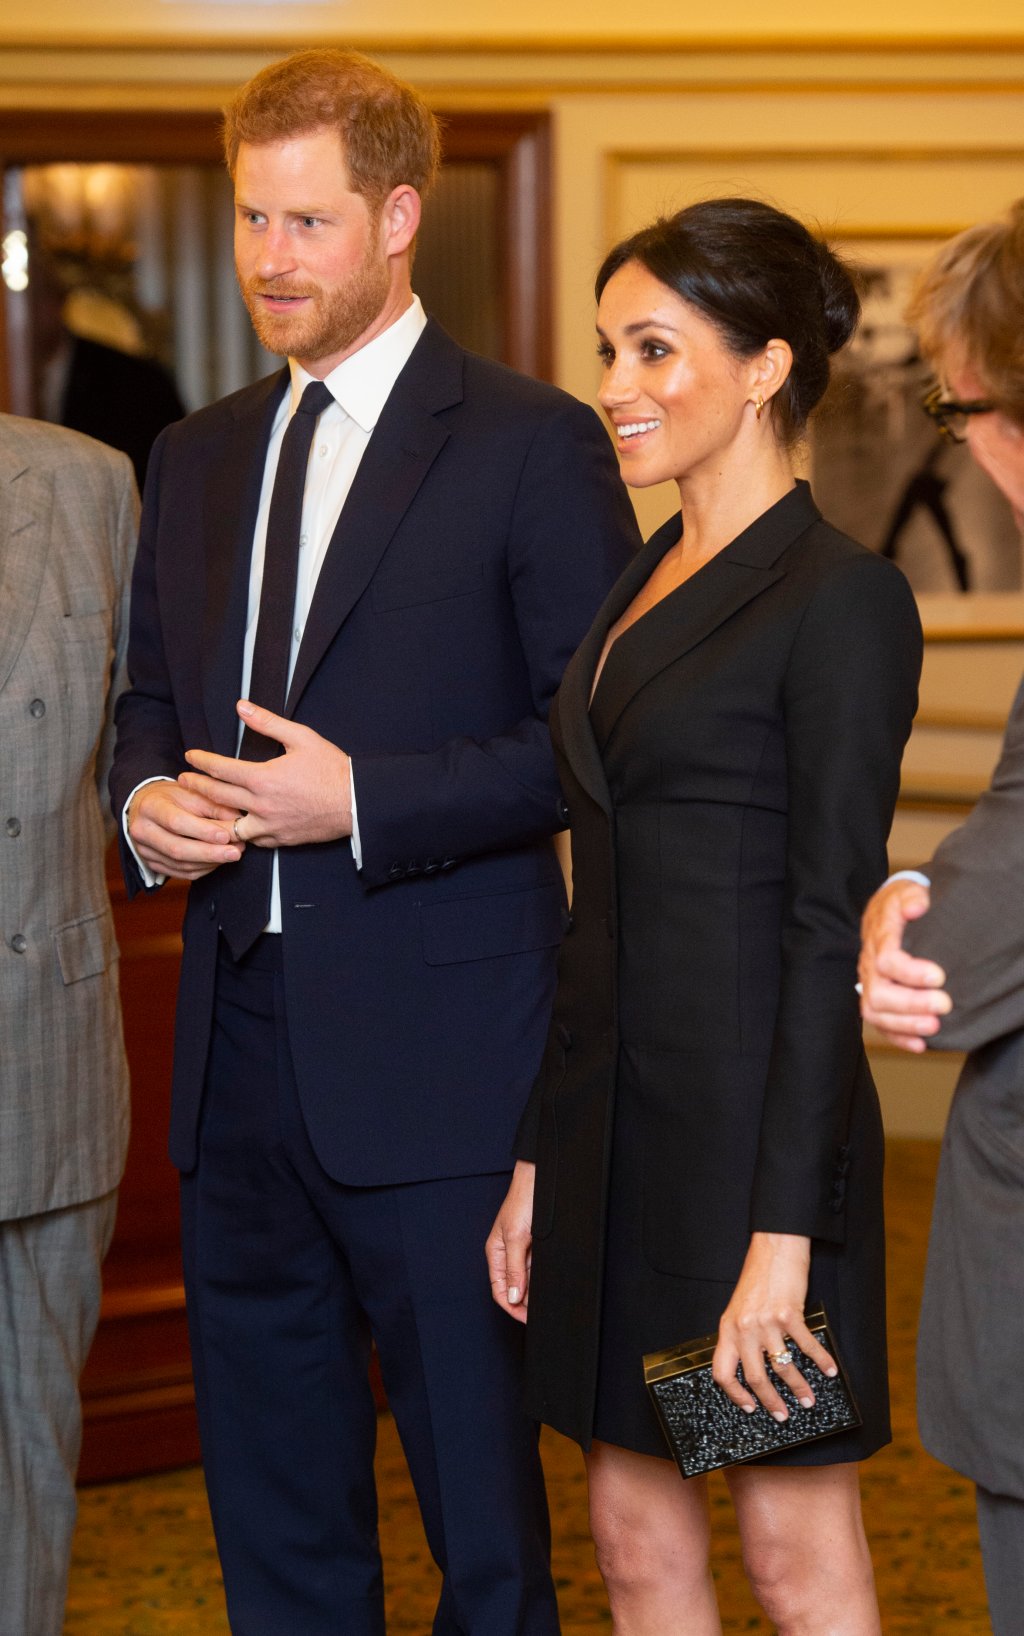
(377, 564)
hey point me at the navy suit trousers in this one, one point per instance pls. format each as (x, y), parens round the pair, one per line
(290, 1276)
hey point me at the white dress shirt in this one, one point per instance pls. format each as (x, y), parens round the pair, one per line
(360, 386)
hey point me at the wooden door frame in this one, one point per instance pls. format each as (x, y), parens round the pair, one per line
(520, 143)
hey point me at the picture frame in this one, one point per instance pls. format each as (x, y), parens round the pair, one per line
(881, 470)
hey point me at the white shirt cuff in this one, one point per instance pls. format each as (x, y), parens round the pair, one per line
(356, 843)
(148, 876)
(910, 874)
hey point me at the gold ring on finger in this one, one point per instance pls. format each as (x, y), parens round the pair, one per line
(780, 1360)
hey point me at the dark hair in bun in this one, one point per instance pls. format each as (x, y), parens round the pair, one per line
(756, 273)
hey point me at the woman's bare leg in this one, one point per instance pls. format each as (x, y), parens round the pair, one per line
(651, 1534)
(804, 1548)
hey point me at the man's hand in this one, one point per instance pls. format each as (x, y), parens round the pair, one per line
(901, 995)
(302, 796)
(180, 833)
(509, 1243)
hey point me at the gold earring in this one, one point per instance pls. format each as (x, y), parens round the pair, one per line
(759, 406)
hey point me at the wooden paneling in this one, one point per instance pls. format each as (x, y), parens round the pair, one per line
(137, 1388)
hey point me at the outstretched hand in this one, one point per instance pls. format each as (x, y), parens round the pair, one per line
(302, 796)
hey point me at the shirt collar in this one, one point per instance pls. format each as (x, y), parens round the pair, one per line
(362, 383)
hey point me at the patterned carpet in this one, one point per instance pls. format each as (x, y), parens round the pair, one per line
(145, 1562)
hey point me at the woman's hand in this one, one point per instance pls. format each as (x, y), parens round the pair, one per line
(508, 1244)
(765, 1313)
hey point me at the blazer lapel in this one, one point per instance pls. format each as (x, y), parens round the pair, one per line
(685, 618)
(26, 504)
(230, 509)
(402, 448)
(577, 733)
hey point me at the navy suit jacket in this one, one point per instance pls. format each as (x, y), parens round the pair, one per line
(485, 525)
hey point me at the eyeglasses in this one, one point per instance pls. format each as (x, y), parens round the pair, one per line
(951, 415)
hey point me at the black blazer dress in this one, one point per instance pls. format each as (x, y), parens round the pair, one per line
(729, 792)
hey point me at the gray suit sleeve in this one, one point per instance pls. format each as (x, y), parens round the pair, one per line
(123, 526)
(975, 926)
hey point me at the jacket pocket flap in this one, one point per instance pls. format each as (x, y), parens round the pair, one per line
(409, 590)
(85, 947)
(481, 928)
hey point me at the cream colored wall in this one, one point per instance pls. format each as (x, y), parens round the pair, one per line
(864, 160)
(534, 20)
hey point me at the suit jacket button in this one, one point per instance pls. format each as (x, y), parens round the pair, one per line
(449, 863)
(431, 866)
(563, 812)
(412, 869)
(19, 942)
(37, 708)
(569, 922)
(395, 872)
(212, 910)
(13, 827)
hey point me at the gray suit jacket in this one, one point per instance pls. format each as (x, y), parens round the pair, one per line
(68, 513)
(971, 1340)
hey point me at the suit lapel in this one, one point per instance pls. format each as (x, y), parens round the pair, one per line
(229, 523)
(402, 448)
(26, 505)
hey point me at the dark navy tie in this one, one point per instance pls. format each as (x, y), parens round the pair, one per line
(245, 890)
(268, 681)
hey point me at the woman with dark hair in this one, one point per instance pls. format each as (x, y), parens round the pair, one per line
(703, 1148)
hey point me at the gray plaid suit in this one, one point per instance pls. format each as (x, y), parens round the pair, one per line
(68, 513)
(970, 1398)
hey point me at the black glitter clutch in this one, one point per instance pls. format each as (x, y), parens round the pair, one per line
(705, 1429)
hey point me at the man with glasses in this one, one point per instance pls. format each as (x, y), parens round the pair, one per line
(952, 416)
(943, 966)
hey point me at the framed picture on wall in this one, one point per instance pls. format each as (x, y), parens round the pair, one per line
(881, 471)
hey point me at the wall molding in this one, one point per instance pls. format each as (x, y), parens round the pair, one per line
(550, 43)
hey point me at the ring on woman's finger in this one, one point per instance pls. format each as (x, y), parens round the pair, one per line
(234, 829)
(780, 1360)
